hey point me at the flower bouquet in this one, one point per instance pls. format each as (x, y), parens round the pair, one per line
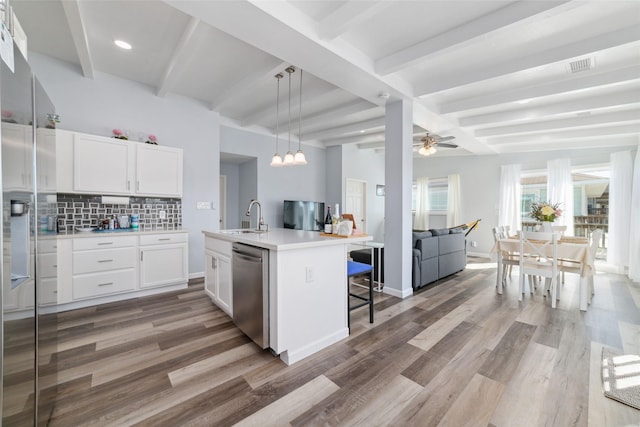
(117, 133)
(545, 211)
(152, 139)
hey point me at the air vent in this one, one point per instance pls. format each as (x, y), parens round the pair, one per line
(580, 65)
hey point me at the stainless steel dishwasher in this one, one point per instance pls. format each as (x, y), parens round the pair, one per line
(251, 292)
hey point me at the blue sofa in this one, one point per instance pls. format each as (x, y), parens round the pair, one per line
(437, 253)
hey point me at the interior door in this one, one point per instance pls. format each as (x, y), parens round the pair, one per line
(356, 202)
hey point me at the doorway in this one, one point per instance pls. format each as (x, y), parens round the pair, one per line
(356, 202)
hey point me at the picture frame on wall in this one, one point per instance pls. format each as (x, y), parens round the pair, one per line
(379, 190)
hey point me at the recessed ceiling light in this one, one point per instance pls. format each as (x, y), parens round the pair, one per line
(362, 131)
(122, 44)
(524, 101)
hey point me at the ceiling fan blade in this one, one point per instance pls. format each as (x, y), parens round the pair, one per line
(446, 138)
(446, 145)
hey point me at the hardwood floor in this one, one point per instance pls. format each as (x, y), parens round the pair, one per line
(453, 354)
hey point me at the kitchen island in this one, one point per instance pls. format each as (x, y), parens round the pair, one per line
(307, 285)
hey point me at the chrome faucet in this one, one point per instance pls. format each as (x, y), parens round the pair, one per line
(261, 223)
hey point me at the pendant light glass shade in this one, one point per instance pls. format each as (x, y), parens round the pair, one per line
(299, 158)
(276, 160)
(288, 158)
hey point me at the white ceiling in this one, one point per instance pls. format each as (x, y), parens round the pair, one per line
(494, 74)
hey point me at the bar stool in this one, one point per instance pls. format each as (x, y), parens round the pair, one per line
(356, 269)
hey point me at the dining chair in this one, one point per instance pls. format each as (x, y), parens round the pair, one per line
(561, 229)
(539, 257)
(509, 259)
(596, 236)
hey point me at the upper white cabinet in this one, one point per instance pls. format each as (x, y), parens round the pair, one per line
(102, 165)
(158, 170)
(97, 164)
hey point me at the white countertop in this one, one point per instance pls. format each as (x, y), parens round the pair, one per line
(128, 232)
(282, 239)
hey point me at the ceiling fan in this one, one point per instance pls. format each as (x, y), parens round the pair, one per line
(427, 144)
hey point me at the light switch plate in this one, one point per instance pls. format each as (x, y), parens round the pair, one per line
(203, 205)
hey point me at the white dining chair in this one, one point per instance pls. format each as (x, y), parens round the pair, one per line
(596, 236)
(509, 259)
(539, 257)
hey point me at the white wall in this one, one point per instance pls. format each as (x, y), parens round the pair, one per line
(232, 211)
(366, 165)
(97, 106)
(274, 185)
(480, 181)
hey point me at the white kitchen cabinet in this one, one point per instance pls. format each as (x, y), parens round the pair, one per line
(17, 172)
(47, 272)
(163, 259)
(158, 170)
(102, 165)
(46, 160)
(218, 276)
(103, 266)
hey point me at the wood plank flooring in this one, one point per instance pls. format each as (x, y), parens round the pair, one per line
(453, 354)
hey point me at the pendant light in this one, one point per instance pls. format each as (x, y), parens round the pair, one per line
(288, 158)
(299, 158)
(276, 160)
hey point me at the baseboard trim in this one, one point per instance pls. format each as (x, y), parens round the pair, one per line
(197, 275)
(404, 293)
(479, 255)
(292, 356)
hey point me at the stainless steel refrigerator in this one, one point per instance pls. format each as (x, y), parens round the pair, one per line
(28, 197)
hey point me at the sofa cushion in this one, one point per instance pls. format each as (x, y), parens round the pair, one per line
(451, 243)
(439, 231)
(418, 234)
(456, 230)
(428, 247)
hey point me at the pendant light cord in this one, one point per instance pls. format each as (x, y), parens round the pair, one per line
(289, 71)
(300, 115)
(278, 77)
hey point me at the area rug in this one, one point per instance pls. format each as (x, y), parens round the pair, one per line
(621, 377)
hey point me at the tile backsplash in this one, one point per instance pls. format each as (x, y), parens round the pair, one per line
(76, 210)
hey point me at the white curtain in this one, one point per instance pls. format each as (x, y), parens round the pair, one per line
(560, 190)
(509, 212)
(422, 204)
(634, 226)
(619, 209)
(453, 201)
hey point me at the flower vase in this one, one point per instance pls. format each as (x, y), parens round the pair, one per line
(547, 227)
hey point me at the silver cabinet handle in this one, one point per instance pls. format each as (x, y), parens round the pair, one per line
(55, 266)
(141, 255)
(105, 284)
(128, 185)
(166, 238)
(105, 243)
(137, 185)
(105, 260)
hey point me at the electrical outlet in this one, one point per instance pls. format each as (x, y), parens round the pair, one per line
(474, 244)
(310, 274)
(162, 214)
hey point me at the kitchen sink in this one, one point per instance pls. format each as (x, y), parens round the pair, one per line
(243, 231)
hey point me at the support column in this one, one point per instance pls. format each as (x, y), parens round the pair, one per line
(397, 205)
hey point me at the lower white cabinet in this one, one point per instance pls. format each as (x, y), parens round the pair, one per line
(99, 269)
(163, 260)
(218, 278)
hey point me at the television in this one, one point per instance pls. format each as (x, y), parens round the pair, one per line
(303, 215)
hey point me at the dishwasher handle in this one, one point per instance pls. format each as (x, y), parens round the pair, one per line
(244, 257)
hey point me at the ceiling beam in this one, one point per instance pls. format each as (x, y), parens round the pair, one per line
(588, 133)
(377, 137)
(263, 113)
(346, 129)
(537, 146)
(529, 60)
(617, 99)
(572, 122)
(348, 15)
(576, 83)
(341, 111)
(516, 12)
(79, 36)
(169, 75)
(259, 72)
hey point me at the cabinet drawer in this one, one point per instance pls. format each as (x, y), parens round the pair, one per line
(48, 291)
(46, 246)
(221, 246)
(92, 285)
(104, 242)
(47, 265)
(106, 260)
(163, 239)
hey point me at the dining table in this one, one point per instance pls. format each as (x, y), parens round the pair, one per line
(572, 250)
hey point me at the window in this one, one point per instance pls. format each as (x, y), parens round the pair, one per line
(438, 195)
